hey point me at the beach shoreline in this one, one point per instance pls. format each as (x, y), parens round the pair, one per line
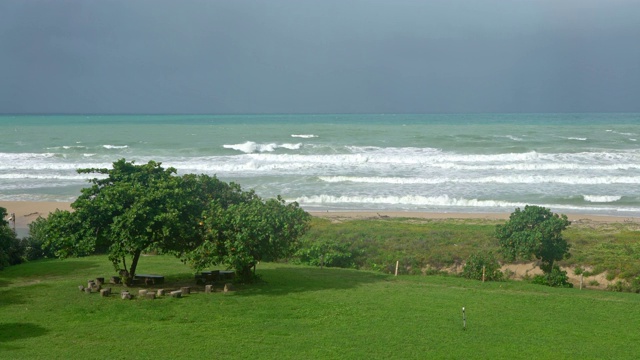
(28, 211)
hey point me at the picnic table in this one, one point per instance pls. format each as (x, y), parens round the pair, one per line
(214, 276)
(148, 279)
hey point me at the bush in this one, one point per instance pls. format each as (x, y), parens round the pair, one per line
(619, 286)
(33, 244)
(11, 248)
(473, 267)
(626, 286)
(327, 253)
(556, 278)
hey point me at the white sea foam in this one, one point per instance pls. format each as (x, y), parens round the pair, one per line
(251, 147)
(511, 137)
(304, 136)
(601, 198)
(115, 146)
(25, 156)
(577, 138)
(14, 176)
(443, 201)
(506, 179)
(415, 200)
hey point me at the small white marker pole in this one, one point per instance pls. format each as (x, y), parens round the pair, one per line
(482, 273)
(397, 263)
(464, 320)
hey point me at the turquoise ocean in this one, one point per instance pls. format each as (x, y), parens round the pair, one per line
(571, 163)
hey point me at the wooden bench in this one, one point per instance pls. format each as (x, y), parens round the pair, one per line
(207, 277)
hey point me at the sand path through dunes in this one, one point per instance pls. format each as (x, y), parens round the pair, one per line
(27, 211)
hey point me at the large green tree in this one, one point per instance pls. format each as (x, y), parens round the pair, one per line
(132, 209)
(534, 232)
(242, 234)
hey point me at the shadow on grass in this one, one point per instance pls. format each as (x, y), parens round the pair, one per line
(46, 268)
(286, 280)
(18, 331)
(275, 281)
(20, 294)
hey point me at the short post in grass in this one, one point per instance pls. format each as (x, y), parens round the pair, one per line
(464, 320)
(483, 269)
(581, 279)
(397, 263)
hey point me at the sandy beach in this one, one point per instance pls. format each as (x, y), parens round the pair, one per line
(27, 211)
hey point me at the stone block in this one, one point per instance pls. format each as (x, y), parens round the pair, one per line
(208, 288)
(229, 287)
(176, 294)
(185, 290)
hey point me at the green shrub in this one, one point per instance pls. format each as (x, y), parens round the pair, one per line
(329, 253)
(626, 286)
(33, 244)
(476, 262)
(11, 248)
(555, 278)
(619, 286)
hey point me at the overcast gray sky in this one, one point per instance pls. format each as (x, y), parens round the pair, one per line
(321, 56)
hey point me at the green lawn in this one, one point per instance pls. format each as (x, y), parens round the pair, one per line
(308, 313)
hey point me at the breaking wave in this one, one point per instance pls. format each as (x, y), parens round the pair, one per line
(251, 147)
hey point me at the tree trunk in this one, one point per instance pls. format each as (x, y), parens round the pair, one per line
(245, 273)
(132, 270)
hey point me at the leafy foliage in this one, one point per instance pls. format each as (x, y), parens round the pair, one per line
(330, 253)
(242, 234)
(34, 243)
(555, 278)
(475, 263)
(536, 232)
(141, 208)
(11, 248)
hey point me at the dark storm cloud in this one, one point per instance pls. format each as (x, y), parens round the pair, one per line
(319, 56)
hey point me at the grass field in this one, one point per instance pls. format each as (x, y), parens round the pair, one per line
(303, 313)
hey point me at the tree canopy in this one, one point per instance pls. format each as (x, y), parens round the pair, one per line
(534, 231)
(245, 233)
(140, 208)
(10, 252)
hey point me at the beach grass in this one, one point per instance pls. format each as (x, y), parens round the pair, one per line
(302, 312)
(610, 248)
